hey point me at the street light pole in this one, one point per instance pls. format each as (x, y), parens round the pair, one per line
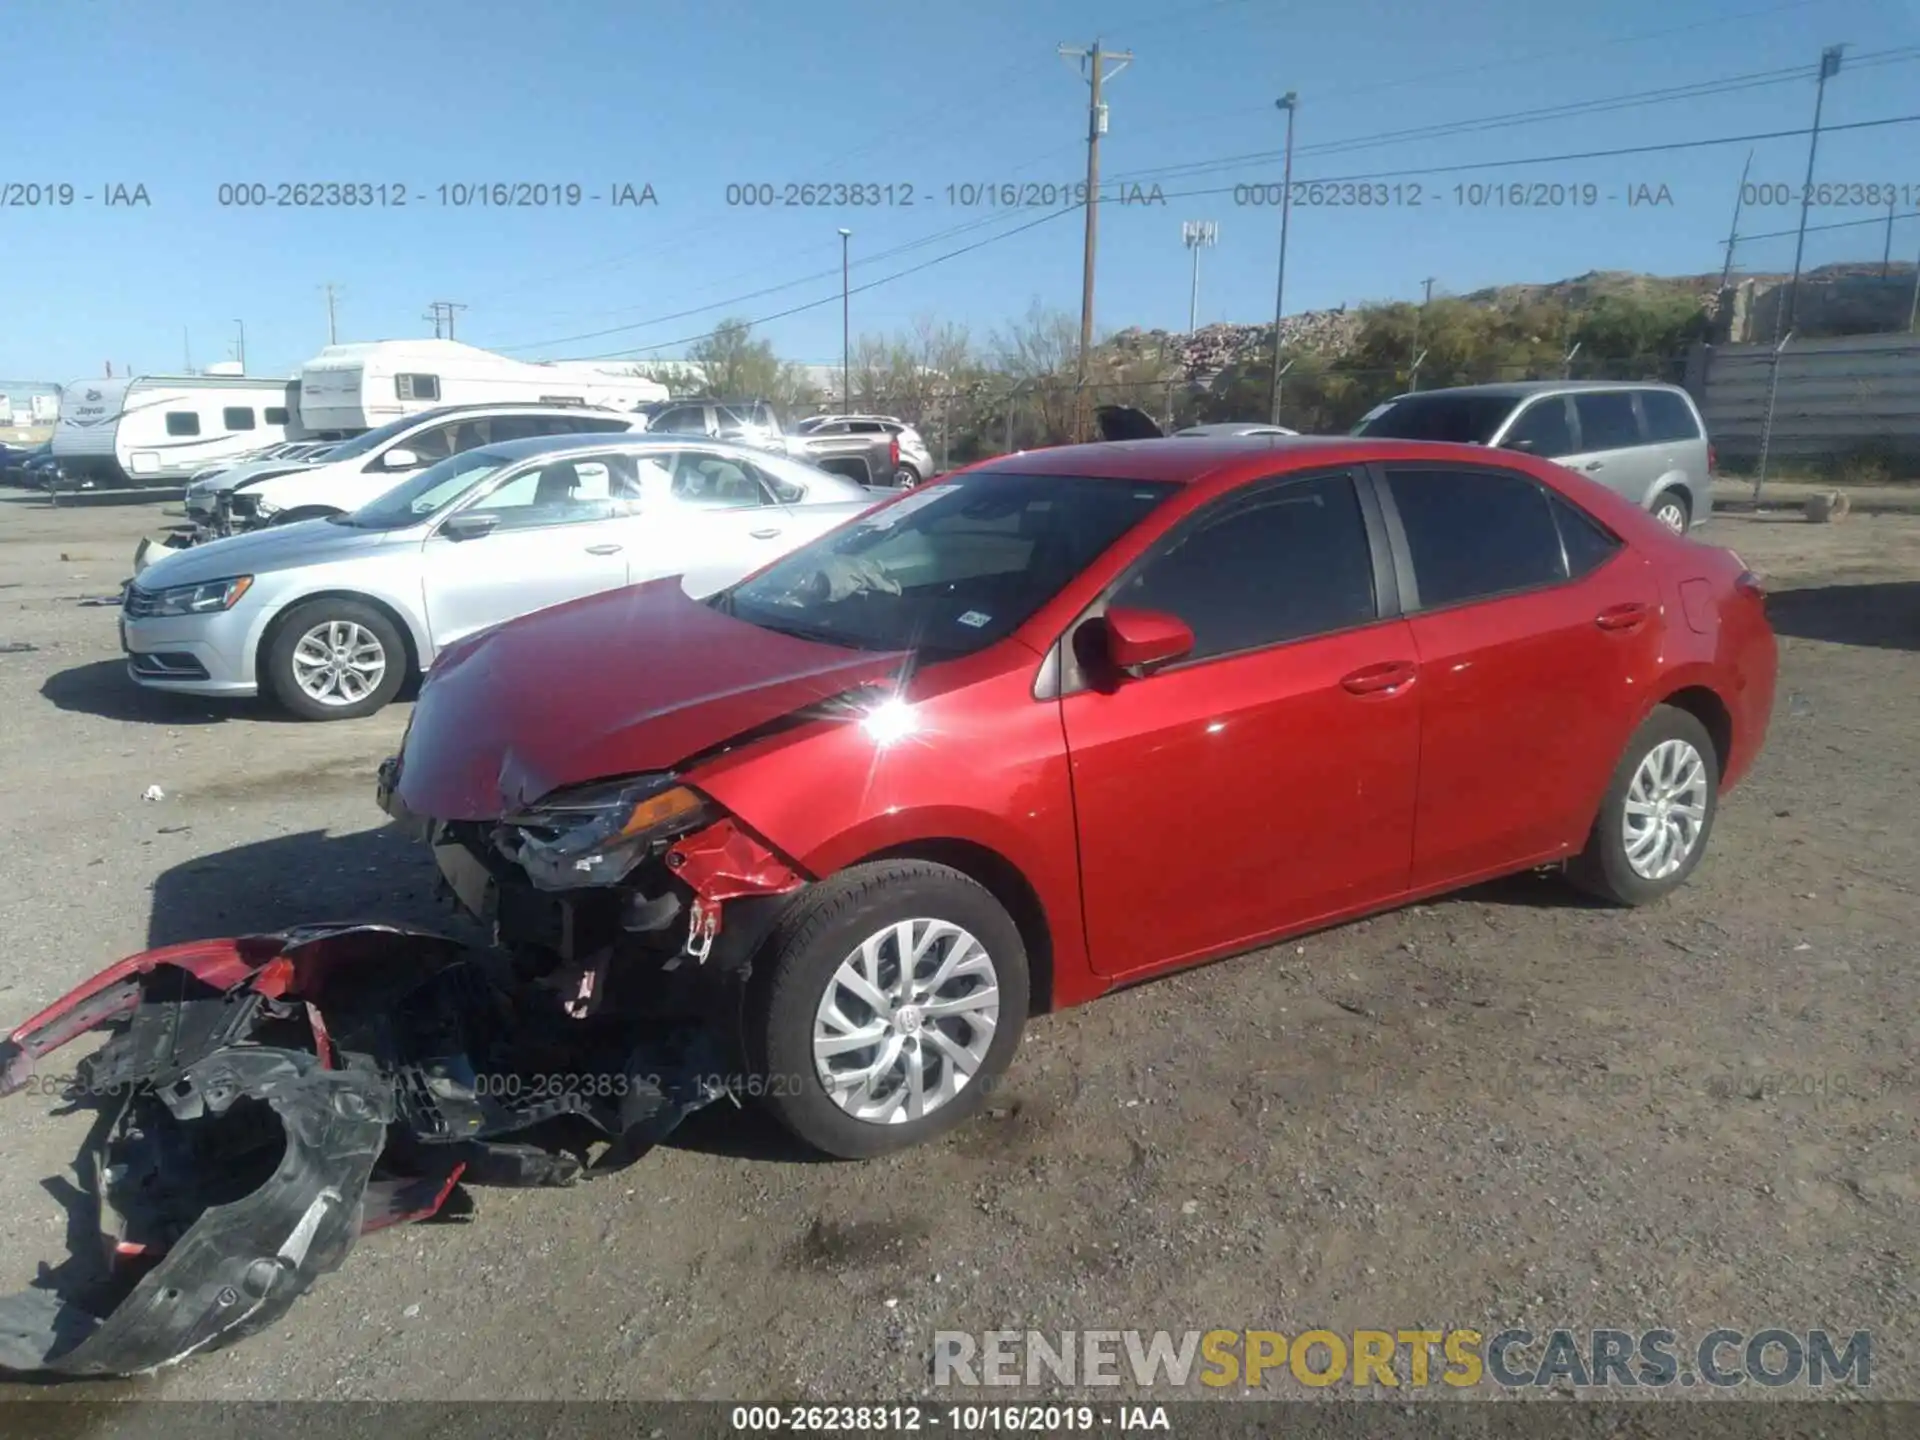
(846, 330)
(1288, 102)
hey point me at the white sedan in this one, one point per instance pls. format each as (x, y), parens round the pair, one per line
(331, 616)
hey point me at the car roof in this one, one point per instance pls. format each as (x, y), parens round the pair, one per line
(1230, 458)
(510, 407)
(1519, 389)
(1232, 427)
(635, 440)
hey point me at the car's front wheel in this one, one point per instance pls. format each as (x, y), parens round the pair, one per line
(335, 660)
(886, 1007)
(1658, 812)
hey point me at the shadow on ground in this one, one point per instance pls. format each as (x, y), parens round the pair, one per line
(104, 689)
(1883, 616)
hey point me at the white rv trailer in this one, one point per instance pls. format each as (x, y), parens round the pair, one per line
(157, 430)
(351, 388)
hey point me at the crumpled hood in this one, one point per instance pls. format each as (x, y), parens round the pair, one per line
(618, 683)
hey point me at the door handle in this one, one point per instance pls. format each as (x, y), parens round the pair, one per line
(1380, 679)
(608, 549)
(1630, 616)
(764, 534)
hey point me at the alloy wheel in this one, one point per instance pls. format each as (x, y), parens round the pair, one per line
(1666, 809)
(1673, 515)
(906, 1021)
(339, 663)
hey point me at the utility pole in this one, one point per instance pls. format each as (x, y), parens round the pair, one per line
(186, 351)
(442, 310)
(1419, 324)
(1733, 230)
(846, 330)
(1093, 64)
(1886, 255)
(240, 353)
(1829, 66)
(1197, 235)
(333, 334)
(1288, 102)
(1913, 308)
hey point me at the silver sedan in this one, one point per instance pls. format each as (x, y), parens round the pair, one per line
(331, 616)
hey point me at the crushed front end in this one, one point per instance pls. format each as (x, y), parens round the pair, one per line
(636, 895)
(266, 1100)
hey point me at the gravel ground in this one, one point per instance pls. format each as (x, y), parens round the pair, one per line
(1506, 1108)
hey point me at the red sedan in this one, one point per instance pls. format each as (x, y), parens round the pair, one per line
(1071, 719)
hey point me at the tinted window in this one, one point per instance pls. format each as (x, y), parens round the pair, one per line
(276, 414)
(436, 441)
(686, 420)
(1607, 421)
(1669, 417)
(597, 425)
(182, 422)
(237, 417)
(1475, 533)
(1454, 418)
(949, 568)
(1548, 424)
(417, 387)
(1587, 544)
(1287, 562)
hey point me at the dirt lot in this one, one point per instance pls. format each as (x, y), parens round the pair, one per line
(1508, 1108)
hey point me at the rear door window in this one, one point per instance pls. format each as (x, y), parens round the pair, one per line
(1668, 416)
(1475, 534)
(1607, 420)
(1548, 424)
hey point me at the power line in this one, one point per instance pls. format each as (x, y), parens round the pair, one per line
(857, 289)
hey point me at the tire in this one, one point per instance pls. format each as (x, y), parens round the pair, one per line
(373, 626)
(1606, 867)
(905, 478)
(803, 959)
(1671, 509)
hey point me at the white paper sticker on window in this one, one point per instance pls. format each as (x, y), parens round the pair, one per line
(975, 618)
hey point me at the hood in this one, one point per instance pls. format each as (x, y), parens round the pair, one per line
(279, 547)
(1124, 422)
(619, 683)
(237, 475)
(615, 684)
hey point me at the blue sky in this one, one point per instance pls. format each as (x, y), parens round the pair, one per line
(183, 96)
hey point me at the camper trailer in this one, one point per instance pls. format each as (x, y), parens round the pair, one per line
(156, 430)
(351, 388)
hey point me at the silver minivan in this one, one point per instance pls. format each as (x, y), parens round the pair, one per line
(1642, 440)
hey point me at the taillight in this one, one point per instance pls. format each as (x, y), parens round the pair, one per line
(893, 452)
(1713, 458)
(1751, 585)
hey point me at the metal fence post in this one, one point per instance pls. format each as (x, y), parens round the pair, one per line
(1766, 425)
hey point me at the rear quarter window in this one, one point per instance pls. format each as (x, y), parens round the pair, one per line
(1669, 416)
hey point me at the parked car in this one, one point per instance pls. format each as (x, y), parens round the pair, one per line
(1071, 719)
(1644, 441)
(330, 616)
(745, 422)
(356, 471)
(1232, 429)
(1129, 422)
(910, 459)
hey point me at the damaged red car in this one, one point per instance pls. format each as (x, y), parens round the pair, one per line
(1069, 720)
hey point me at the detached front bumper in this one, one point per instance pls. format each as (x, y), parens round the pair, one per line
(274, 1097)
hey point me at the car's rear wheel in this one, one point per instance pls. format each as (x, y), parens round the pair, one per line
(885, 1008)
(335, 660)
(1670, 508)
(1658, 812)
(906, 477)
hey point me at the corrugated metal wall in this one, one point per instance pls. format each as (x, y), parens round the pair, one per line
(1835, 396)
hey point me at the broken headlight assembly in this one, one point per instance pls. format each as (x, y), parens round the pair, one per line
(593, 835)
(207, 598)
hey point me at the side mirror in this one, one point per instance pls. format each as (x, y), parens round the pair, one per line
(470, 524)
(1138, 638)
(398, 459)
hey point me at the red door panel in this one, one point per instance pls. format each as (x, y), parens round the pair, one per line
(1222, 802)
(1526, 703)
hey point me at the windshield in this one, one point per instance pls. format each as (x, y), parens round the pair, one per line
(1454, 419)
(371, 440)
(426, 493)
(948, 570)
